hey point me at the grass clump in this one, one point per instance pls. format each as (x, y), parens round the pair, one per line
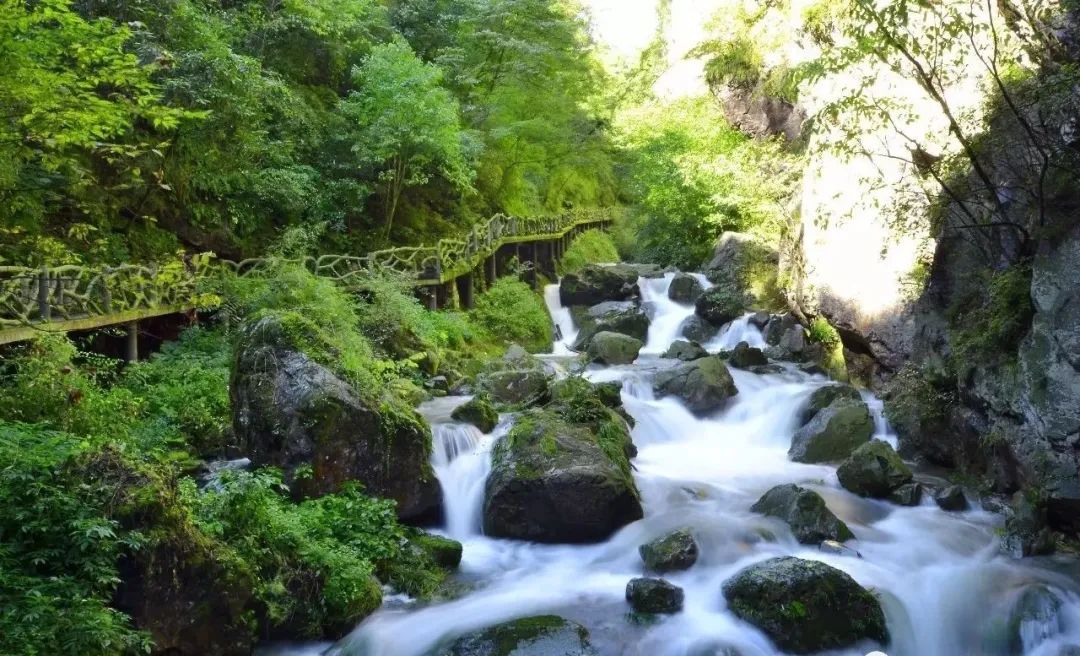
(512, 312)
(590, 247)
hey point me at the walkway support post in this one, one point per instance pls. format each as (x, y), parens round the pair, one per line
(465, 291)
(44, 309)
(131, 342)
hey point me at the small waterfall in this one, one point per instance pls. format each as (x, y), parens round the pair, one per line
(462, 460)
(564, 323)
(666, 315)
(882, 430)
(739, 330)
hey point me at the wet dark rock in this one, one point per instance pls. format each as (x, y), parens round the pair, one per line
(825, 396)
(479, 412)
(745, 356)
(909, 494)
(290, 412)
(696, 329)
(833, 433)
(1026, 531)
(515, 387)
(951, 498)
(685, 288)
(557, 482)
(873, 470)
(766, 369)
(778, 325)
(721, 304)
(703, 385)
(438, 384)
(626, 318)
(805, 606)
(595, 284)
(686, 351)
(613, 348)
(675, 551)
(544, 635)
(651, 595)
(1035, 617)
(760, 319)
(805, 512)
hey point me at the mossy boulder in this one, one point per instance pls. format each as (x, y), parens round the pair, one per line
(291, 412)
(479, 412)
(873, 470)
(745, 356)
(696, 329)
(703, 385)
(652, 595)
(825, 396)
(622, 317)
(1026, 531)
(742, 262)
(672, 552)
(595, 284)
(543, 635)
(614, 348)
(560, 482)
(805, 512)
(686, 351)
(834, 433)
(805, 606)
(443, 551)
(685, 288)
(721, 304)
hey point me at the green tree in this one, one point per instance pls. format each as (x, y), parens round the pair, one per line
(409, 126)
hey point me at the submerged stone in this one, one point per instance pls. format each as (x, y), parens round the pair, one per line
(805, 512)
(703, 385)
(745, 356)
(907, 495)
(543, 635)
(675, 551)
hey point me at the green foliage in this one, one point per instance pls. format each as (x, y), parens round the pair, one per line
(512, 312)
(58, 551)
(590, 247)
(691, 176)
(736, 62)
(992, 326)
(822, 332)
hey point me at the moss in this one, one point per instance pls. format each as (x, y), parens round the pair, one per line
(988, 327)
(590, 247)
(479, 412)
(832, 358)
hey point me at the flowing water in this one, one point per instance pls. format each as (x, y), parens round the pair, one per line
(943, 586)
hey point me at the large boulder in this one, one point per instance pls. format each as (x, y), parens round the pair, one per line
(703, 385)
(686, 351)
(685, 288)
(834, 433)
(825, 396)
(672, 552)
(595, 284)
(622, 317)
(873, 470)
(1035, 618)
(544, 635)
(479, 412)
(805, 606)
(720, 304)
(1026, 532)
(613, 348)
(557, 482)
(951, 498)
(696, 329)
(805, 512)
(778, 326)
(292, 412)
(516, 380)
(651, 595)
(744, 263)
(745, 356)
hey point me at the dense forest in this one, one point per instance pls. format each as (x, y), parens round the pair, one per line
(817, 363)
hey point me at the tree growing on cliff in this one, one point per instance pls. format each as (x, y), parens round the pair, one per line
(409, 127)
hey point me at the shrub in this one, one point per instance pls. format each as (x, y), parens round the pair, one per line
(822, 332)
(512, 312)
(590, 247)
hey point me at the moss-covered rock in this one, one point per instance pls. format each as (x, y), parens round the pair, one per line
(703, 385)
(825, 396)
(672, 552)
(595, 284)
(873, 470)
(613, 348)
(652, 595)
(745, 356)
(555, 481)
(805, 606)
(293, 413)
(443, 551)
(544, 635)
(721, 304)
(685, 288)
(696, 329)
(479, 412)
(805, 512)
(686, 351)
(834, 433)
(742, 262)
(622, 317)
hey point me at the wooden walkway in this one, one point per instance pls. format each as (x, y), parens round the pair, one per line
(71, 298)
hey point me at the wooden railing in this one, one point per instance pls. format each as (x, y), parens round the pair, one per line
(73, 297)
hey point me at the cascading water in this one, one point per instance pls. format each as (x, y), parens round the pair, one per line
(667, 316)
(943, 586)
(566, 331)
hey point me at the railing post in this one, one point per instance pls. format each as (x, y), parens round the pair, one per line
(131, 344)
(44, 309)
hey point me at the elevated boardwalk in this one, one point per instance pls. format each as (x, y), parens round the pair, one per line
(72, 298)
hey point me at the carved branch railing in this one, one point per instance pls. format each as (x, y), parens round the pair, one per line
(68, 293)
